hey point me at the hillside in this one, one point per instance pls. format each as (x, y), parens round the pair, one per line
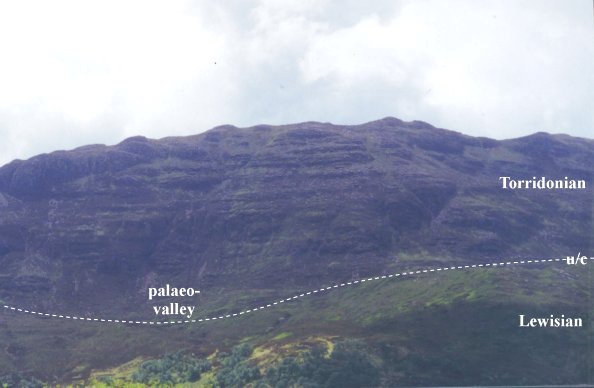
(250, 215)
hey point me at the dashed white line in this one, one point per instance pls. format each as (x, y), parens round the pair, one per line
(322, 289)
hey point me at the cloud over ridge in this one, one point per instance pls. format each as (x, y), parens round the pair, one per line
(76, 72)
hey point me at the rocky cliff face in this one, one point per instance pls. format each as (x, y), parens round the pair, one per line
(268, 206)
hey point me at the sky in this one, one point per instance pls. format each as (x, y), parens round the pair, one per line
(85, 72)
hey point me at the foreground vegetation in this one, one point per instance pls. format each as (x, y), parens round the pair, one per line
(349, 364)
(458, 328)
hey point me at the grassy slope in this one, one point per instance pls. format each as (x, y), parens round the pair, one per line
(456, 327)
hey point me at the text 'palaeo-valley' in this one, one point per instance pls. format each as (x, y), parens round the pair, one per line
(172, 307)
(542, 183)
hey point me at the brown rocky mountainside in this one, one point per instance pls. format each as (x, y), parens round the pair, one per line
(272, 206)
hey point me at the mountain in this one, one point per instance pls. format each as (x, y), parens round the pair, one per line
(248, 214)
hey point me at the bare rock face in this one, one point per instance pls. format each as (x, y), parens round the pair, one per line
(270, 206)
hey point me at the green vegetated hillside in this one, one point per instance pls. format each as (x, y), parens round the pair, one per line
(251, 216)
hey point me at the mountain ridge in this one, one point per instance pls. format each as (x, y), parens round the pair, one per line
(139, 149)
(248, 216)
(337, 200)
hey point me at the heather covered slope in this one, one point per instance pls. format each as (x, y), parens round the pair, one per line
(249, 215)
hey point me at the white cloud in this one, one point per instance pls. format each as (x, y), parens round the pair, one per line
(492, 68)
(78, 72)
(140, 67)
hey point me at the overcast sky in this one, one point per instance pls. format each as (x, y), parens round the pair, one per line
(80, 72)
